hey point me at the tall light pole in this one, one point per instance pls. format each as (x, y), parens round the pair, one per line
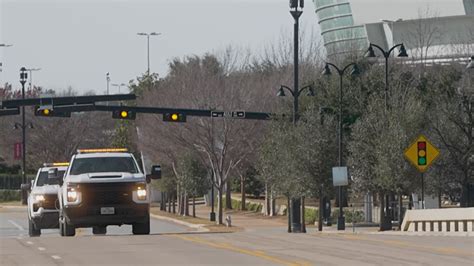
(384, 224)
(148, 46)
(119, 86)
(341, 223)
(107, 80)
(3, 45)
(23, 78)
(31, 76)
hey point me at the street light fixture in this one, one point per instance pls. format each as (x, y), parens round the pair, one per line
(327, 71)
(471, 63)
(119, 86)
(31, 76)
(5, 45)
(371, 54)
(148, 46)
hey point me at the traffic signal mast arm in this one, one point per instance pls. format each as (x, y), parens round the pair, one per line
(67, 100)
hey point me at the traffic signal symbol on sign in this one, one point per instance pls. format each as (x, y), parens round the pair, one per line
(124, 114)
(421, 153)
(174, 117)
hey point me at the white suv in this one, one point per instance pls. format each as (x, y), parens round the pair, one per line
(105, 187)
(43, 205)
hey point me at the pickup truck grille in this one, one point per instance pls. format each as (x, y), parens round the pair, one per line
(107, 193)
(49, 201)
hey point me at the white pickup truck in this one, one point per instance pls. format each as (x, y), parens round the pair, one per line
(105, 187)
(43, 205)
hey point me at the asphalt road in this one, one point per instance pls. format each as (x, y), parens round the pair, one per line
(170, 244)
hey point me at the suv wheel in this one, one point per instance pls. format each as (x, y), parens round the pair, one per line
(99, 230)
(142, 228)
(32, 230)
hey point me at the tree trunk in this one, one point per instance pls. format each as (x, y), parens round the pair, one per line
(288, 213)
(186, 204)
(267, 200)
(303, 222)
(174, 202)
(162, 201)
(228, 195)
(219, 206)
(272, 203)
(382, 213)
(169, 196)
(242, 193)
(320, 210)
(194, 207)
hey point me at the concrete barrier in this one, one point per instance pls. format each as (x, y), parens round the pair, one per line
(439, 220)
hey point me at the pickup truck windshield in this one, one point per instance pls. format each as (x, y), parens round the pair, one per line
(103, 164)
(44, 180)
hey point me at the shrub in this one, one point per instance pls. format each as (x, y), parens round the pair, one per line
(9, 195)
(311, 215)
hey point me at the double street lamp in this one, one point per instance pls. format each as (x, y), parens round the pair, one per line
(386, 54)
(327, 71)
(119, 86)
(148, 46)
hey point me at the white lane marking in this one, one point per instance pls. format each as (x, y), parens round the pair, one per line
(56, 257)
(41, 248)
(29, 242)
(17, 225)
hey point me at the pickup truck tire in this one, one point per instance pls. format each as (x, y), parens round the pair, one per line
(68, 229)
(142, 228)
(99, 230)
(61, 227)
(32, 230)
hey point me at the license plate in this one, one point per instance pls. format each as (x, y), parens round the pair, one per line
(107, 210)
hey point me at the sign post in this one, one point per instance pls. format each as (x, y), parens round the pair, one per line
(421, 154)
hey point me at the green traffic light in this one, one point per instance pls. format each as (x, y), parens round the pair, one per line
(422, 161)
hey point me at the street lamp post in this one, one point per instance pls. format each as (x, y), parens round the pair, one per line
(31, 76)
(119, 86)
(327, 71)
(23, 78)
(386, 54)
(148, 46)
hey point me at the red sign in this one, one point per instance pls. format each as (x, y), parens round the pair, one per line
(17, 151)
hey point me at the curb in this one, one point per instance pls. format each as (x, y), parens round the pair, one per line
(13, 206)
(199, 227)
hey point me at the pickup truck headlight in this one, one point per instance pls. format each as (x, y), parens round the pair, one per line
(141, 193)
(39, 198)
(72, 194)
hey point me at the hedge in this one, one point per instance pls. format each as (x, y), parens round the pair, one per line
(9, 195)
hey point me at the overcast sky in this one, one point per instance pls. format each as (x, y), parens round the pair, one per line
(75, 42)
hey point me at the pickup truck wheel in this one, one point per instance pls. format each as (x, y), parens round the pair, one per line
(142, 228)
(68, 229)
(32, 230)
(99, 230)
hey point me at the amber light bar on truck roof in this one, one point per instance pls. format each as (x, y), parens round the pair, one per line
(102, 150)
(55, 164)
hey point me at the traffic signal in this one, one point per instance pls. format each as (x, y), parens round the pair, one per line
(421, 145)
(48, 111)
(174, 117)
(124, 114)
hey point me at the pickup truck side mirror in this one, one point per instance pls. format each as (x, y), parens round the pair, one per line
(25, 187)
(155, 172)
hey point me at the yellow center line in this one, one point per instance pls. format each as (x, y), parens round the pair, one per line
(255, 253)
(449, 251)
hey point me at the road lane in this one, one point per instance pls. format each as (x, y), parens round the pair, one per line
(173, 244)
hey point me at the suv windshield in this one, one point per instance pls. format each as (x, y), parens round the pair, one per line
(103, 164)
(44, 180)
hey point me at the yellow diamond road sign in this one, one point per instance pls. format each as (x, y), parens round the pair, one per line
(421, 153)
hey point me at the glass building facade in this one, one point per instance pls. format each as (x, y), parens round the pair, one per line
(339, 33)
